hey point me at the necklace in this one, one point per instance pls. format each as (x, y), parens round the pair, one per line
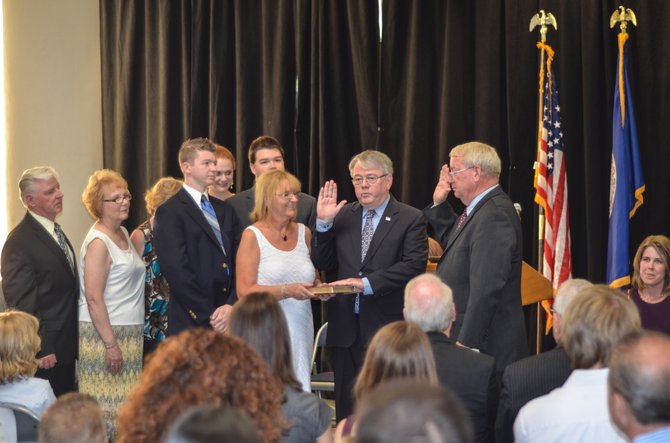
(651, 300)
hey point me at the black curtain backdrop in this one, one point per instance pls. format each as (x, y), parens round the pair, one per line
(315, 75)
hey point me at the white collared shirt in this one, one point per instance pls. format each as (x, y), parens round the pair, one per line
(577, 411)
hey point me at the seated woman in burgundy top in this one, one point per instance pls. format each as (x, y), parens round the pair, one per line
(651, 283)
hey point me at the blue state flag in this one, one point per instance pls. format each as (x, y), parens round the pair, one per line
(626, 183)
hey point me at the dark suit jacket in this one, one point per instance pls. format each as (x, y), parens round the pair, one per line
(472, 376)
(200, 276)
(482, 265)
(526, 380)
(37, 278)
(398, 251)
(243, 204)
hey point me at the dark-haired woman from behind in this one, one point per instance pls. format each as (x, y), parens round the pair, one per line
(259, 320)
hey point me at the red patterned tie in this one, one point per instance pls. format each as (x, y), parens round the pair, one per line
(462, 219)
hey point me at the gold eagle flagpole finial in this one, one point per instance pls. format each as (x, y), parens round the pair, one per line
(623, 16)
(543, 19)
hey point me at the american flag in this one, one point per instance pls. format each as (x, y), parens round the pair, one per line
(551, 185)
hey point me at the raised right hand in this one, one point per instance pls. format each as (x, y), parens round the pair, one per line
(326, 205)
(443, 187)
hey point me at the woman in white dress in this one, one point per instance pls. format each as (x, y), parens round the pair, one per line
(273, 256)
(111, 301)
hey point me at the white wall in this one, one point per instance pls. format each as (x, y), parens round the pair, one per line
(52, 83)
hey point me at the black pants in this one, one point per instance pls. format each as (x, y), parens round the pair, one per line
(61, 378)
(347, 362)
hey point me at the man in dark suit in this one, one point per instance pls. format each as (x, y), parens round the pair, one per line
(39, 276)
(376, 245)
(196, 239)
(536, 375)
(266, 154)
(482, 254)
(470, 374)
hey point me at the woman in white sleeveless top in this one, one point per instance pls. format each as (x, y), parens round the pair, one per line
(273, 257)
(111, 301)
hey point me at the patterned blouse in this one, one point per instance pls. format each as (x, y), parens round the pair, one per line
(156, 290)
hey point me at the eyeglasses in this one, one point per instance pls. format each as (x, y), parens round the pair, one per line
(118, 200)
(371, 179)
(288, 195)
(452, 173)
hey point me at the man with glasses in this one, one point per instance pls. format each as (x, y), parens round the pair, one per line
(39, 276)
(482, 254)
(196, 238)
(376, 245)
(266, 154)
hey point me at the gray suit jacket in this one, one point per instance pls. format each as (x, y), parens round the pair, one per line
(482, 265)
(243, 204)
(37, 278)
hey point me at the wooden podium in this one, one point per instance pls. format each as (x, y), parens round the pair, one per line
(535, 287)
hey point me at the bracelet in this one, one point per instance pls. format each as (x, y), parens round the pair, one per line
(111, 346)
(282, 292)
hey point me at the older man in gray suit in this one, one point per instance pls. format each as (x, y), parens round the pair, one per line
(482, 254)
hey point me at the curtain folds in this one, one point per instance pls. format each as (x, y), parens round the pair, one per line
(314, 74)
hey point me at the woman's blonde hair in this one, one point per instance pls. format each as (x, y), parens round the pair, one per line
(398, 350)
(162, 190)
(19, 345)
(92, 195)
(267, 186)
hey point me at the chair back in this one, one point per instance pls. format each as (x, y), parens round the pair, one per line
(26, 422)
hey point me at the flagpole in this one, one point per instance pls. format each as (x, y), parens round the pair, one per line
(626, 181)
(540, 19)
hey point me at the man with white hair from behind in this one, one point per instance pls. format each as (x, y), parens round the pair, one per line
(471, 375)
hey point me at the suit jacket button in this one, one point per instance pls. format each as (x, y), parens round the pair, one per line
(225, 289)
(224, 266)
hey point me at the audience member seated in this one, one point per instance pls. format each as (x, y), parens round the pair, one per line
(225, 174)
(399, 350)
(435, 249)
(19, 345)
(472, 376)
(639, 388)
(651, 283)
(594, 323)
(539, 374)
(199, 367)
(259, 320)
(403, 411)
(210, 424)
(156, 288)
(74, 418)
